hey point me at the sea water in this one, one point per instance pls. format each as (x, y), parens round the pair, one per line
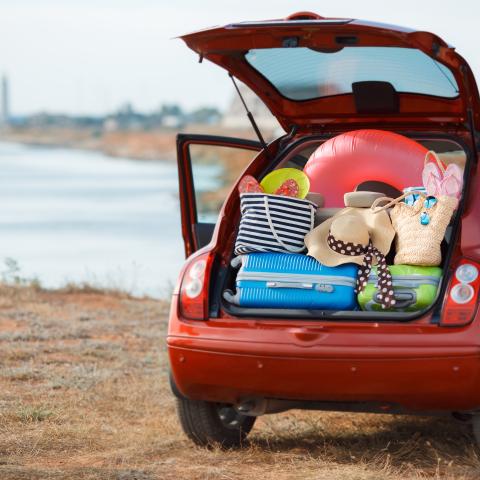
(81, 216)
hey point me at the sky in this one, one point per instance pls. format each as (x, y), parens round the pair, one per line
(92, 56)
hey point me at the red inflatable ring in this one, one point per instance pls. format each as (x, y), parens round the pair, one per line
(340, 164)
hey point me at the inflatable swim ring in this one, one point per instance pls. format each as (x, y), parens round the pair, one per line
(341, 163)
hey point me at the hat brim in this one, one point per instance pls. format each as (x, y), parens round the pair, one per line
(379, 227)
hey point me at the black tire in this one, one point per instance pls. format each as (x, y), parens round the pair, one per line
(209, 424)
(476, 428)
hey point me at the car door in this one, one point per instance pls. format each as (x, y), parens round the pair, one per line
(207, 168)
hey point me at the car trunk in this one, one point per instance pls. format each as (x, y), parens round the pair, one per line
(323, 76)
(447, 146)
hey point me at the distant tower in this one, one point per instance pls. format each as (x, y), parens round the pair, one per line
(5, 114)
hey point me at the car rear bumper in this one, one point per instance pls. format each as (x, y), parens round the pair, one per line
(419, 367)
(429, 383)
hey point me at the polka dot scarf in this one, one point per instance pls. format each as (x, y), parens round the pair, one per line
(384, 285)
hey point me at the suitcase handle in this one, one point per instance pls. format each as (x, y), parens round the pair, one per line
(305, 286)
(321, 287)
(402, 299)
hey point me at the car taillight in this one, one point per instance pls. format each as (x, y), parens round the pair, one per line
(194, 288)
(462, 294)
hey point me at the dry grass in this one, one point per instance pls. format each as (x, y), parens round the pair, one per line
(84, 395)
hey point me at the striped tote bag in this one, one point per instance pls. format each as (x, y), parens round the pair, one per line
(273, 223)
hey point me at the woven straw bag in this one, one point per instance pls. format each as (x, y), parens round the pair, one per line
(416, 243)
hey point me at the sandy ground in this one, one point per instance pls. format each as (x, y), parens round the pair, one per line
(84, 395)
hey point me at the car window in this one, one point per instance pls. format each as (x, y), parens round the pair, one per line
(214, 170)
(303, 73)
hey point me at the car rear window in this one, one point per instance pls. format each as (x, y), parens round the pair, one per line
(304, 74)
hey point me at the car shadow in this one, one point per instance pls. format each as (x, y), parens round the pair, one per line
(421, 442)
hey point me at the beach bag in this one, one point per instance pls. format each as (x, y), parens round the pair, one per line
(420, 228)
(414, 288)
(273, 223)
(289, 280)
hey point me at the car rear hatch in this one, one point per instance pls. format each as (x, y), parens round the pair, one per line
(312, 71)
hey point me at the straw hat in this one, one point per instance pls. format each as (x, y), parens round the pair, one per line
(351, 227)
(361, 199)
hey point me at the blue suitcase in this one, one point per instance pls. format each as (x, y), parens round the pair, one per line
(291, 280)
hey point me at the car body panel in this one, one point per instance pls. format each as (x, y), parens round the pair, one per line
(470, 234)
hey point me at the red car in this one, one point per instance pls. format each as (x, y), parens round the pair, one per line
(231, 364)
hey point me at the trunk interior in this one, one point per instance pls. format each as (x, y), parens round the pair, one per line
(449, 149)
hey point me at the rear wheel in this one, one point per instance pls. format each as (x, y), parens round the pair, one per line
(209, 423)
(476, 428)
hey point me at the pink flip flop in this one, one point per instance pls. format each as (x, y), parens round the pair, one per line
(439, 180)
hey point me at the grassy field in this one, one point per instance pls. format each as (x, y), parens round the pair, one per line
(84, 395)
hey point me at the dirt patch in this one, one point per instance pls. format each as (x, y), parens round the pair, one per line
(84, 395)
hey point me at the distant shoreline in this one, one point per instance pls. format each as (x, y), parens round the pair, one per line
(158, 146)
(155, 145)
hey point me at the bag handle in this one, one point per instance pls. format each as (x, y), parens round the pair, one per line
(289, 248)
(437, 160)
(394, 201)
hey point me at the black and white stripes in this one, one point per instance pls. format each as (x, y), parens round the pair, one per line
(273, 223)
